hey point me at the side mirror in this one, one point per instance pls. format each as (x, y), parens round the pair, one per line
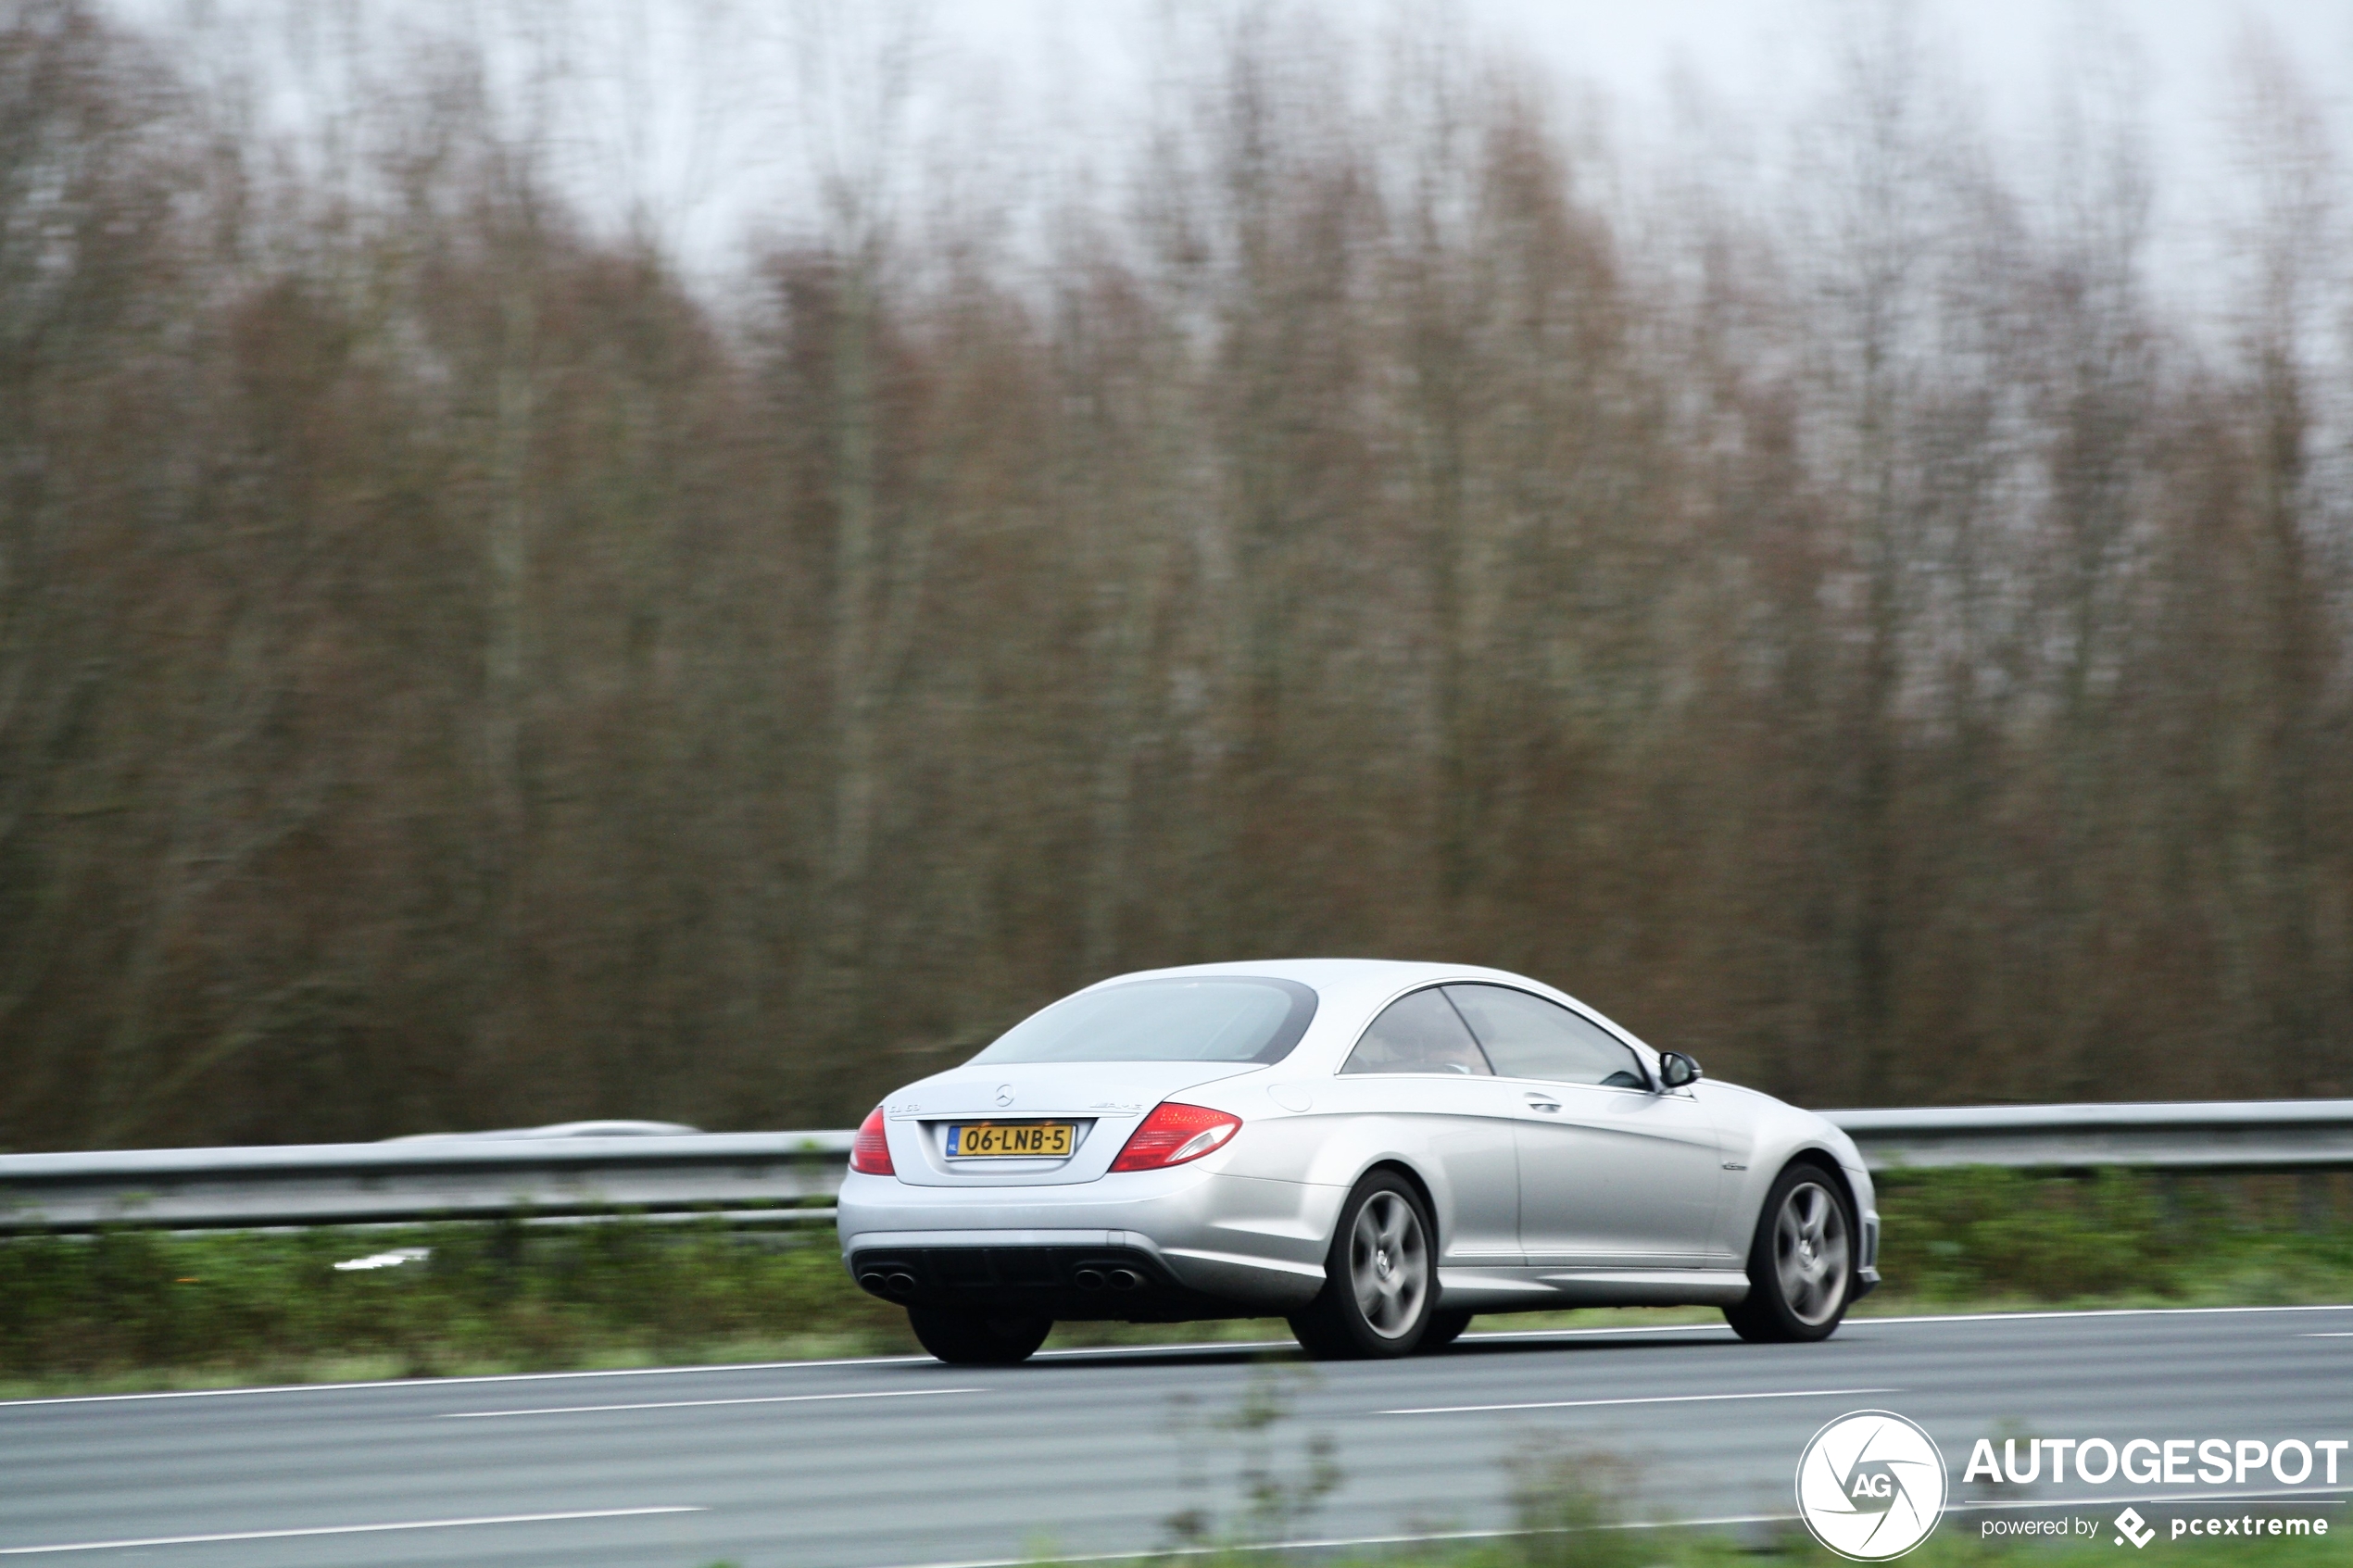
(1676, 1069)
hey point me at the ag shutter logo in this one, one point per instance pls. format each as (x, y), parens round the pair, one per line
(1870, 1485)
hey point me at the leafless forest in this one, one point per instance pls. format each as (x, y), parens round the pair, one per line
(1872, 627)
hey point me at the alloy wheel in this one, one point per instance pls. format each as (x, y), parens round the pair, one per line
(1388, 1264)
(1810, 1253)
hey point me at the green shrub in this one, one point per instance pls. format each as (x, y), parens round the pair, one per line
(1978, 1234)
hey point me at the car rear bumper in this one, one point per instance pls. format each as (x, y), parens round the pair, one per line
(1064, 1281)
(1194, 1243)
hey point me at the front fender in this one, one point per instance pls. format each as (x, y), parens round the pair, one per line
(1764, 1134)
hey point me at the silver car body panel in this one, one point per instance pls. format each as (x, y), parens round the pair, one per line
(1543, 1195)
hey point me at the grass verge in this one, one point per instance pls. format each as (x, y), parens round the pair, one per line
(1706, 1548)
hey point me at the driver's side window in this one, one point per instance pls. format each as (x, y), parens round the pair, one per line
(1420, 1033)
(1527, 1037)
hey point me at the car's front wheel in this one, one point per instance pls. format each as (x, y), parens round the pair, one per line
(973, 1339)
(1379, 1278)
(1801, 1264)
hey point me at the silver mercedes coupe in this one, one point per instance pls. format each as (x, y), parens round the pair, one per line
(1373, 1150)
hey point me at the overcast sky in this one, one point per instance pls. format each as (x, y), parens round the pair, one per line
(1072, 67)
(1763, 67)
(1750, 48)
(1765, 57)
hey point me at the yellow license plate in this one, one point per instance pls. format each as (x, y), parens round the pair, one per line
(994, 1140)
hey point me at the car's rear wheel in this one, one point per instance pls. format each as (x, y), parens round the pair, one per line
(1443, 1330)
(1801, 1264)
(975, 1339)
(1379, 1278)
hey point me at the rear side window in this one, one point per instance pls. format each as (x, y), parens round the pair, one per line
(1418, 1034)
(1222, 1018)
(1528, 1037)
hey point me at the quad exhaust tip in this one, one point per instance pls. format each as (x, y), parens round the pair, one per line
(900, 1282)
(1102, 1279)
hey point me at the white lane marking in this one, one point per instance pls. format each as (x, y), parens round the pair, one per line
(1647, 1399)
(1861, 1322)
(1490, 1334)
(698, 1404)
(463, 1382)
(2332, 1333)
(1076, 1353)
(1089, 1351)
(350, 1529)
(1083, 1352)
(2106, 1313)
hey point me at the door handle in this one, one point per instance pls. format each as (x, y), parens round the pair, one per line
(1538, 1102)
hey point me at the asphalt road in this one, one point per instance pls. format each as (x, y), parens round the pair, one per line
(859, 1464)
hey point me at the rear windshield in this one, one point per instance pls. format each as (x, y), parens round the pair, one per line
(1224, 1018)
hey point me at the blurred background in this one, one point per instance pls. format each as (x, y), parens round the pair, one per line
(662, 558)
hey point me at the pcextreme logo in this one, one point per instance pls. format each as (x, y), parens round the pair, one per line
(1870, 1485)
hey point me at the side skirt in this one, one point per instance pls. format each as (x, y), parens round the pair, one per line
(1541, 1289)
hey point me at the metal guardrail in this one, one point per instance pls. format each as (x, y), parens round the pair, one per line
(772, 1176)
(787, 1177)
(2209, 1136)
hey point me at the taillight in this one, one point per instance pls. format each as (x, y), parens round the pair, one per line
(870, 1155)
(1173, 1134)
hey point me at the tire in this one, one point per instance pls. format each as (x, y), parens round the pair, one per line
(971, 1339)
(1801, 1265)
(1380, 1278)
(1443, 1330)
